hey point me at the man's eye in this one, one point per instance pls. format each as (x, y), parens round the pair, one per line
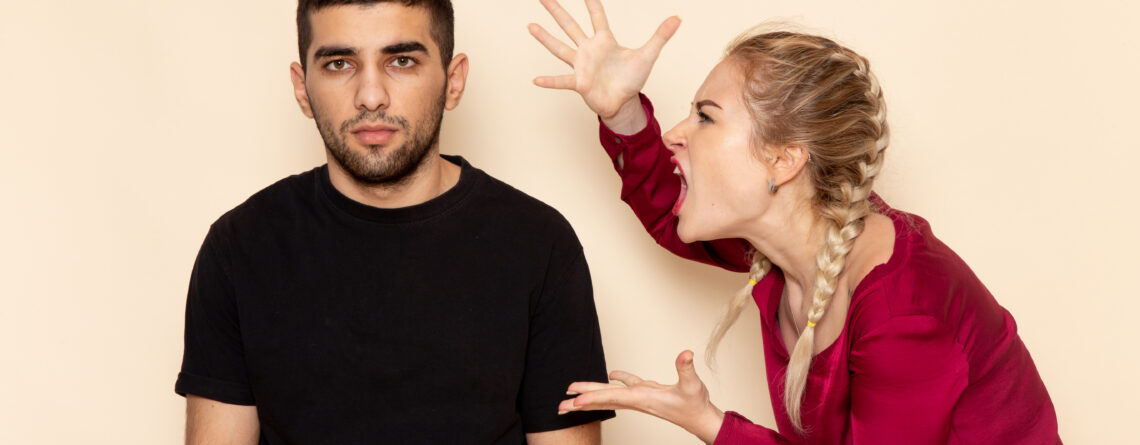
(337, 65)
(403, 62)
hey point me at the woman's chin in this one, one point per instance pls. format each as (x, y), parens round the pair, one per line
(686, 233)
(691, 231)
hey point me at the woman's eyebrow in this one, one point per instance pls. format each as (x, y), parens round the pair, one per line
(707, 102)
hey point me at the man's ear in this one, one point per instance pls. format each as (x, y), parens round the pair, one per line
(456, 80)
(297, 74)
(787, 162)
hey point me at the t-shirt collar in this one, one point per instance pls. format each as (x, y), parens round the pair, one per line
(468, 179)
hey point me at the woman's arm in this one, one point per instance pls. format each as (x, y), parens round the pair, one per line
(738, 430)
(906, 377)
(650, 188)
(609, 78)
(685, 404)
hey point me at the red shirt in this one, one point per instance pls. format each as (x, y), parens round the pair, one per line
(926, 355)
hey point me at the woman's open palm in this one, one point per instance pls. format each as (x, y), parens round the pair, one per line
(606, 74)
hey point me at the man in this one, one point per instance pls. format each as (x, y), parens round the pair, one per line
(394, 295)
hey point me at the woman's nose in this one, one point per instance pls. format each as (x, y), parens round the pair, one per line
(675, 138)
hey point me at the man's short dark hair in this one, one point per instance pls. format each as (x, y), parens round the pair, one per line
(442, 22)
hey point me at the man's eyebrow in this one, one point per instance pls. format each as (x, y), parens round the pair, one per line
(404, 47)
(707, 103)
(334, 51)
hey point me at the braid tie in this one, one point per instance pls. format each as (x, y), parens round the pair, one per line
(759, 268)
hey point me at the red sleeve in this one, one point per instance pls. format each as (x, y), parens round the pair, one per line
(738, 430)
(650, 188)
(906, 377)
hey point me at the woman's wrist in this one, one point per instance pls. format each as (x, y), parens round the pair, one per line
(707, 425)
(629, 119)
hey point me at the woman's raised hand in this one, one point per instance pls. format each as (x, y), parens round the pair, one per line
(685, 404)
(606, 75)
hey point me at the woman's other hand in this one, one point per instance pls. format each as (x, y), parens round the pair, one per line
(606, 75)
(685, 404)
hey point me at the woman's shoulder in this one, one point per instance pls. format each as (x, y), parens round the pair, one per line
(923, 277)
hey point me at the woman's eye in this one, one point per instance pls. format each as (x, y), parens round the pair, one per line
(702, 117)
(403, 62)
(337, 65)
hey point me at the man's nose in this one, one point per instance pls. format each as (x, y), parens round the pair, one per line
(371, 92)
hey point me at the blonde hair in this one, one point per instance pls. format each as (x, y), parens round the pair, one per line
(809, 91)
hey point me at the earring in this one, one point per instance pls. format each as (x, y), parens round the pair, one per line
(772, 187)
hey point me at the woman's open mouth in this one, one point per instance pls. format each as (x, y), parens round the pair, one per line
(684, 188)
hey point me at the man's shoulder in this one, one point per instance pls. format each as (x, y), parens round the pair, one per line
(279, 201)
(505, 199)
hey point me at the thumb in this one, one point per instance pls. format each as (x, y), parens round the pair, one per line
(686, 372)
(662, 36)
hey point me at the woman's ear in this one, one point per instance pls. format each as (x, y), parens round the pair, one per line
(787, 161)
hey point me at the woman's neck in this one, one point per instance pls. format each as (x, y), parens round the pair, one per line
(790, 237)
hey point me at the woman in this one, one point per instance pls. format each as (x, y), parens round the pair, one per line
(874, 331)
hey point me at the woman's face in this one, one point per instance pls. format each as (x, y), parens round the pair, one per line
(724, 183)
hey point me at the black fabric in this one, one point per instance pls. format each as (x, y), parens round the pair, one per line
(460, 320)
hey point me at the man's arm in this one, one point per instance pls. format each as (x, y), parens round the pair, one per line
(219, 403)
(588, 434)
(209, 422)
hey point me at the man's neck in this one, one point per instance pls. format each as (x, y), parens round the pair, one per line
(433, 177)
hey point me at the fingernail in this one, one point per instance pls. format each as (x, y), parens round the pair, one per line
(571, 393)
(562, 412)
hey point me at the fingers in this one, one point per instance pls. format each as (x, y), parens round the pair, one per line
(626, 378)
(662, 36)
(560, 50)
(577, 388)
(566, 82)
(597, 15)
(686, 372)
(565, 21)
(615, 398)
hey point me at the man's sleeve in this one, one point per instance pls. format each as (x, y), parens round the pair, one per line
(213, 361)
(565, 344)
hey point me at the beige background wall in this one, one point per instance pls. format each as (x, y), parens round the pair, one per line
(128, 126)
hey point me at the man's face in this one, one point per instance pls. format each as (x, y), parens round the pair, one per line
(376, 88)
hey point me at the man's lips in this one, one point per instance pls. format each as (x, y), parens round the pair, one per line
(374, 134)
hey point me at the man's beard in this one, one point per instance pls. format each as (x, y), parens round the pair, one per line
(373, 167)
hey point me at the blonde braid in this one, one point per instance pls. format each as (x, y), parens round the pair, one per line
(760, 267)
(810, 91)
(830, 261)
(874, 95)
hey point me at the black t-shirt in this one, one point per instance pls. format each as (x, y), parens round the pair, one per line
(459, 320)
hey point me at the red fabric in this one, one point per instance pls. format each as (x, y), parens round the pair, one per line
(926, 356)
